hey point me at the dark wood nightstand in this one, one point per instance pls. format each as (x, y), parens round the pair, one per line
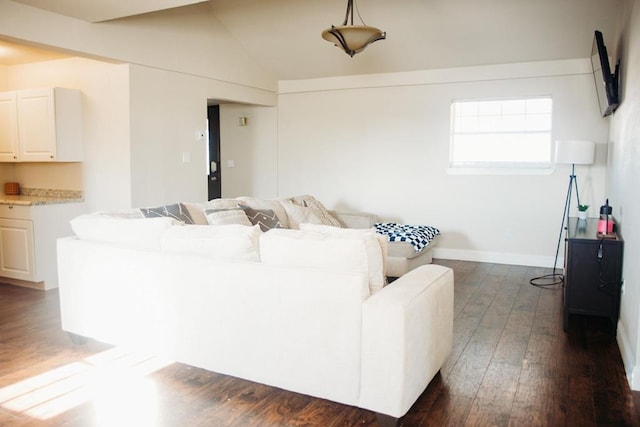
(592, 272)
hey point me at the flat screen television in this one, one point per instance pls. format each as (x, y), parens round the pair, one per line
(606, 83)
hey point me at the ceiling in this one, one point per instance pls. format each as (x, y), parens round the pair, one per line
(283, 36)
(16, 54)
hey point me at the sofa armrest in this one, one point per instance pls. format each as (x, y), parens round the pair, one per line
(355, 219)
(407, 334)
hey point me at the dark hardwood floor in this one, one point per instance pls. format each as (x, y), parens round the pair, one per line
(511, 365)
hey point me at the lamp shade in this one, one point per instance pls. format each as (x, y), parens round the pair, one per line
(577, 152)
(353, 38)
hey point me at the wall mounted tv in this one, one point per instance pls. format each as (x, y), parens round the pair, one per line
(606, 83)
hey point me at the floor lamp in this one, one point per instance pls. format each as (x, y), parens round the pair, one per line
(572, 152)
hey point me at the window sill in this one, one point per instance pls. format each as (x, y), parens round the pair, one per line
(461, 170)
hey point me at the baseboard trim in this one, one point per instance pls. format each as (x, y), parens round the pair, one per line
(25, 284)
(497, 257)
(626, 352)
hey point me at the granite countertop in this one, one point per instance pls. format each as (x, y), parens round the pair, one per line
(40, 196)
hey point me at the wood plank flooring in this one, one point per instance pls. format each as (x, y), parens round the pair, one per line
(511, 365)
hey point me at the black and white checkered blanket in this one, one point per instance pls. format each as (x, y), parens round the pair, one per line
(419, 236)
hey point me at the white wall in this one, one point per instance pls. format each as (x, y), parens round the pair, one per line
(252, 149)
(137, 123)
(167, 109)
(623, 183)
(381, 144)
(3, 77)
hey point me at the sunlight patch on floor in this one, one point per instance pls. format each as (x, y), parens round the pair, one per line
(112, 380)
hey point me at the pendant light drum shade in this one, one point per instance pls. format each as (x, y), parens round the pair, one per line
(352, 38)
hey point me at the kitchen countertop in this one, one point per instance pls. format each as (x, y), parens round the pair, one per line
(40, 196)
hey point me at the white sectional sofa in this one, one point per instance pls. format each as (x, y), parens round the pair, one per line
(305, 310)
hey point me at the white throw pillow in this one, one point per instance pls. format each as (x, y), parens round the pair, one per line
(376, 244)
(136, 232)
(300, 214)
(221, 242)
(314, 204)
(302, 248)
(196, 210)
(227, 217)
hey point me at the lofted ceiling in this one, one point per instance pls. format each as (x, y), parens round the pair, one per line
(104, 10)
(283, 36)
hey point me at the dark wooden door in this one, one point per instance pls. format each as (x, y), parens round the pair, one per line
(214, 182)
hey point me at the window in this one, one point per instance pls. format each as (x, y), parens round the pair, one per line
(506, 133)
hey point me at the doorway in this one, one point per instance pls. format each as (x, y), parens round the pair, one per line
(214, 182)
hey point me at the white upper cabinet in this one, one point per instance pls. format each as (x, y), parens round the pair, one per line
(48, 124)
(8, 127)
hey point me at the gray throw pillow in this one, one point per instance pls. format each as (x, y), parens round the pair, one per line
(176, 211)
(265, 218)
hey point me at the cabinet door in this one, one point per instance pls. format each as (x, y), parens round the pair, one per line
(8, 127)
(37, 125)
(16, 249)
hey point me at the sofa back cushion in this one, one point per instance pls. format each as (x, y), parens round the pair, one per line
(222, 242)
(375, 244)
(129, 231)
(302, 248)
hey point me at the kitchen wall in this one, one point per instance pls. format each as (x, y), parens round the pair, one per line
(138, 124)
(3, 77)
(623, 182)
(6, 172)
(381, 144)
(104, 175)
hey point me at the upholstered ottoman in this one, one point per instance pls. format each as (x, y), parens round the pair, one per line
(402, 255)
(409, 246)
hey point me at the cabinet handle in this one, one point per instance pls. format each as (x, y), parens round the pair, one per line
(51, 157)
(10, 206)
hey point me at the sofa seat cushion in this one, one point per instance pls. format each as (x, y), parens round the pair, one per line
(314, 249)
(223, 242)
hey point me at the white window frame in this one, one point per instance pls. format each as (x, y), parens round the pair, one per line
(480, 115)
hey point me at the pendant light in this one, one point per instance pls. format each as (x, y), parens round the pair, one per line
(352, 38)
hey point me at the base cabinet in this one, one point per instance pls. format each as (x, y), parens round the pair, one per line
(16, 249)
(28, 237)
(593, 273)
